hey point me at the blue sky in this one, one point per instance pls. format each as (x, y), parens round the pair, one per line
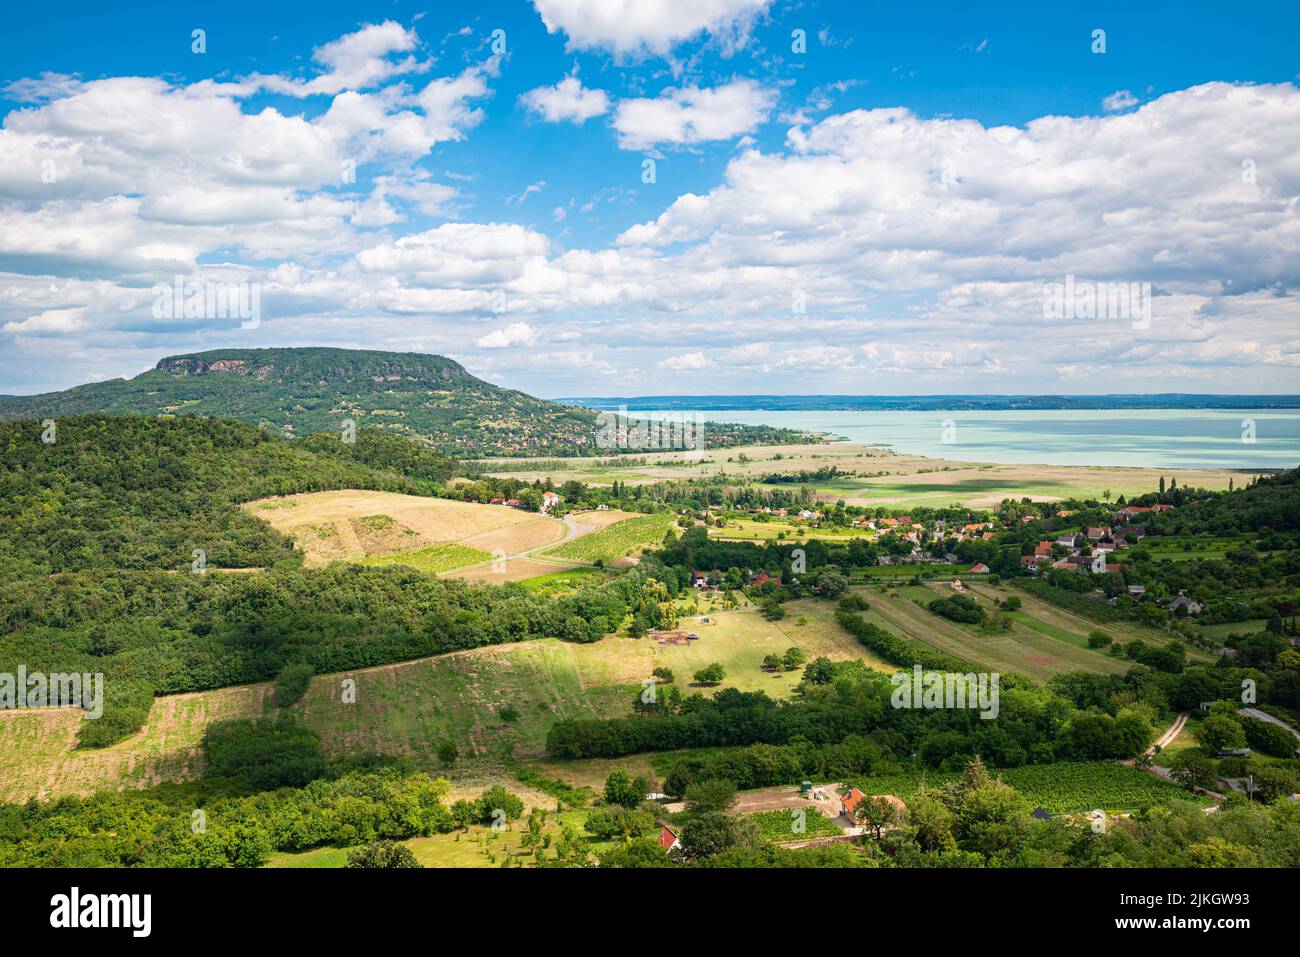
(881, 211)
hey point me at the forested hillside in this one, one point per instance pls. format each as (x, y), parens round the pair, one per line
(138, 493)
(301, 392)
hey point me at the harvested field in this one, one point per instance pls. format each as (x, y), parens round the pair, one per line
(354, 524)
(38, 755)
(508, 570)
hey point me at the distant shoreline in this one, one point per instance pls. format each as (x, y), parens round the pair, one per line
(931, 403)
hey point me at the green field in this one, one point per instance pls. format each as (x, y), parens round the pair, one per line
(1224, 629)
(1066, 787)
(904, 572)
(749, 530)
(795, 824)
(556, 584)
(496, 703)
(475, 847)
(1181, 548)
(434, 560)
(877, 476)
(1120, 629)
(619, 540)
(1041, 649)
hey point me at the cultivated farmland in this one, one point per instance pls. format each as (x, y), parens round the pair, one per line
(352, 525)
(409, 708)
(1024, 649)
(1066, 787)
(620, 540)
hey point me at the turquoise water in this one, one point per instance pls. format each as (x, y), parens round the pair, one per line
(1172, 438)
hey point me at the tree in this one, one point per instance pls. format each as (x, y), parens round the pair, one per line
(711, 675)
(877, 812)
(932, 824)
(620, 788)
(831, 584)
(1219, 732)
(772, 662)
(464, 813)
(1273, 781)
(991, 820)
(709, 834)
(820, 671)
(678, 780)
(664, 675)
(1192, 771)
(1269, 738)
(640, 852)
(382, 854)
(291, 683)
(793, 658)
(715, 794)
(1098, 639)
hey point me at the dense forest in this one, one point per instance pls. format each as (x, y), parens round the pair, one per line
(135, 493)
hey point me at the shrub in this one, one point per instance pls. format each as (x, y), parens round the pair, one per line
(958, 608)
(711, 675)
(382, 854)
(291, 683)
(854, 602)
(1099, 639)
(497, 803)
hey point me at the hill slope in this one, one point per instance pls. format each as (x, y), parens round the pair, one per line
(142, 493)
(300, 392)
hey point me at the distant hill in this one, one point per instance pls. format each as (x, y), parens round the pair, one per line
(301, 392)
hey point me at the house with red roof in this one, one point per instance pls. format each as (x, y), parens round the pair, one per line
(668, 840)
(979, 568)
(1130, 510)
(850, 800)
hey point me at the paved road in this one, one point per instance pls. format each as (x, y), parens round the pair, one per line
(1265, 716)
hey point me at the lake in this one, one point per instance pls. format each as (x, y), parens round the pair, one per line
(1169, 438)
